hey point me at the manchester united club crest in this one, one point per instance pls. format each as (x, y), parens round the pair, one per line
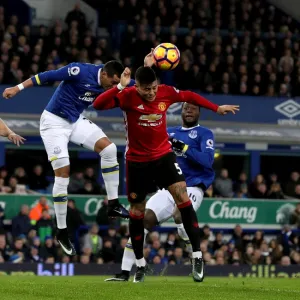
(133, 195)
(162, 106)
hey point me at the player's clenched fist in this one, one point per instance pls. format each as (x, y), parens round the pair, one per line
(125, 77)
(10, 92)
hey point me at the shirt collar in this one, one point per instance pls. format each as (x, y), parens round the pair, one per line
(98, 77)
(184, 128)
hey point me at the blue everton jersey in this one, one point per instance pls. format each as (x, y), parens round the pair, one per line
(196, 163)
(79, 88)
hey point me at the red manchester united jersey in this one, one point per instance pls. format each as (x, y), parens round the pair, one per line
(145, 121)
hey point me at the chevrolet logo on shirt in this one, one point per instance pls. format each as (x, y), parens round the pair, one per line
(151, 118)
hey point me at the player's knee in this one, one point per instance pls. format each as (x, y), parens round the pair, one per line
(61, 167)
(179, 192)
(105, 147)
(150, 219)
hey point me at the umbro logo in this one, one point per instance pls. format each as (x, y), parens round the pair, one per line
(141, 106)
(289, 108)
(87, 85)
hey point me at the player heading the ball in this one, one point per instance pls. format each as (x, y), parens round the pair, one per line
(149, 156)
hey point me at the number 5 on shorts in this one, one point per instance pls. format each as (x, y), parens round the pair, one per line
(178, 168)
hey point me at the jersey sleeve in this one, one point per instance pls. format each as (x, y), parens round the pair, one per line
(110, 99)
(72, 71)
(204, 153)
(176, 95)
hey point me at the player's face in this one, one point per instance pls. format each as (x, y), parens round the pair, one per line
(147, 91)
(190, 114)
(109, 82)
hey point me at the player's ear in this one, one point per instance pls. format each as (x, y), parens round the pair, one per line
(104, 74)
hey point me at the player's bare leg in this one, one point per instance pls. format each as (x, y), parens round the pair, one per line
(129, 259)
(190, 223)
(136, 229)
(60, 198)
(110, 172)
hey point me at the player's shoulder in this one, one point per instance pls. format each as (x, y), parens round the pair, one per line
(87, 67)
(163, 88)
(173, 129)
(78, 69)
(128, 91)
(204, 130)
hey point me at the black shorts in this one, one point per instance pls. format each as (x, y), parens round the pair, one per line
(145, 177)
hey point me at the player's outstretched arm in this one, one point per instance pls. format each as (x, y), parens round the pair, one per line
(7, 132)
(109, 99)
(69, 72)
(194, 98)
(13, 91)
(149, 59)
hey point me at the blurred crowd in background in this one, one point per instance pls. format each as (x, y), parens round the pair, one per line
(230, 47)
(20, 181)
(86, 182)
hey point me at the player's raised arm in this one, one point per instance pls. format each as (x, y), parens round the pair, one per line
(110, 98)
(196, 99)
(149, 59)
(69, 72)
(7, 132)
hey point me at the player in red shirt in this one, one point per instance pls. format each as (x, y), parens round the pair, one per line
(150, 161)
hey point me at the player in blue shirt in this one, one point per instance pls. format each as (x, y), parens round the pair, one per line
(194, 147)
(62, 121)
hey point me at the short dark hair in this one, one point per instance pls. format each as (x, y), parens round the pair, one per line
(145, 75)
(113, 67)
(192, 104)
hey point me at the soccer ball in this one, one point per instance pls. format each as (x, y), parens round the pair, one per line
(166, 56)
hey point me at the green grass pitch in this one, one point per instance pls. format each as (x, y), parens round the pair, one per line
(162, 288)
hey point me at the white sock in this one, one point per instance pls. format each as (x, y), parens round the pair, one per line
(182, 233)
(128, 259)
(141, 262)
(110, 171)
(60, 199)
(197, 254)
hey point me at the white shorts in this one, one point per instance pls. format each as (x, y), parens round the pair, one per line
(57, 132)
(163, 204)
